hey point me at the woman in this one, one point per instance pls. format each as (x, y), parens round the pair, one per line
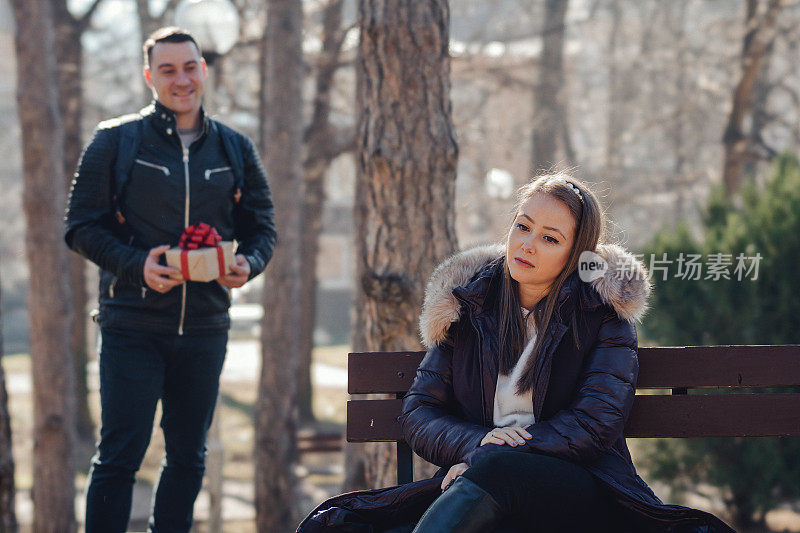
(526, 387)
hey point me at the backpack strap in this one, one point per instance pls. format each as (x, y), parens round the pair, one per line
(130, 136)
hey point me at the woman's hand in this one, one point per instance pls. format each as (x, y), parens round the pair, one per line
(453, 473)
(513, 436)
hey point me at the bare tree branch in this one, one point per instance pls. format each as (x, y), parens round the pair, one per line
(171, 5)
(246, 43)
(86, 18)
(760, 34)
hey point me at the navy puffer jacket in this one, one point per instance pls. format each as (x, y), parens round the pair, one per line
(583, 390)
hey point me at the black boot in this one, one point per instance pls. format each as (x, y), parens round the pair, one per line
(463, 508)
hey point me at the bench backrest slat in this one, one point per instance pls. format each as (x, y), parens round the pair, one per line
(715, 415)
(373, 420)
(692, 415)
(381, 372)
(719, 366)
(659, 368)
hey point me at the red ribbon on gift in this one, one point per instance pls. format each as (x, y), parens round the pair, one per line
(200, 236)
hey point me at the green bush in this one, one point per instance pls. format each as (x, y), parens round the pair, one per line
(756, 474)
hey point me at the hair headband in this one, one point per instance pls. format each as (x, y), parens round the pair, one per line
(575, 190)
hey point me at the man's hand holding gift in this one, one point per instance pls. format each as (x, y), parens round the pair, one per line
(158, 277)
(240, 272)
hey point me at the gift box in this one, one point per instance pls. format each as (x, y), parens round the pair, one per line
(201, 254)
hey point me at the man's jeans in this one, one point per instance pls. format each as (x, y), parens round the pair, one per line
(136, 370)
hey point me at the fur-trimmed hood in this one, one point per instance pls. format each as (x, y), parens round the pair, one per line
(624, 286)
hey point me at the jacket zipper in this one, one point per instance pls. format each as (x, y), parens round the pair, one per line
(483, 388)
(163, 169)
(214, 170)
(185, 225)
(480, 370)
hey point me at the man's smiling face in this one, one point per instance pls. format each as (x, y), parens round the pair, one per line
(176, 75)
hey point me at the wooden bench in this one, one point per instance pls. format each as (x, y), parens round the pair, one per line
(730, 369)
(311, 442)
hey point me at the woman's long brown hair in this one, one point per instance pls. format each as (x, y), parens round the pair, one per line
(589, 221)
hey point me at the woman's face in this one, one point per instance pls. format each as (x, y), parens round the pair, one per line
(539, 244)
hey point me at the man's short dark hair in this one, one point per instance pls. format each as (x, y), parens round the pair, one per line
(168, 34)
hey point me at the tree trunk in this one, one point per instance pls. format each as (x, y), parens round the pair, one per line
(149, 23)
(681, 84)
(281, 144)
(551, 140)
(8, 518)
(321, 148)
(743, 511)
(70, 75)
(760, 114)
(405, 189)
(677, 131)
(760, 33)
(48, 308)
(615, 113)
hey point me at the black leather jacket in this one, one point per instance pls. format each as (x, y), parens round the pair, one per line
(166, 189)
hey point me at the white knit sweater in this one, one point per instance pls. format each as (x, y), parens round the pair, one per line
(510, 408)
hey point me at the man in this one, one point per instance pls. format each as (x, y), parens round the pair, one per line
(142, 179)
